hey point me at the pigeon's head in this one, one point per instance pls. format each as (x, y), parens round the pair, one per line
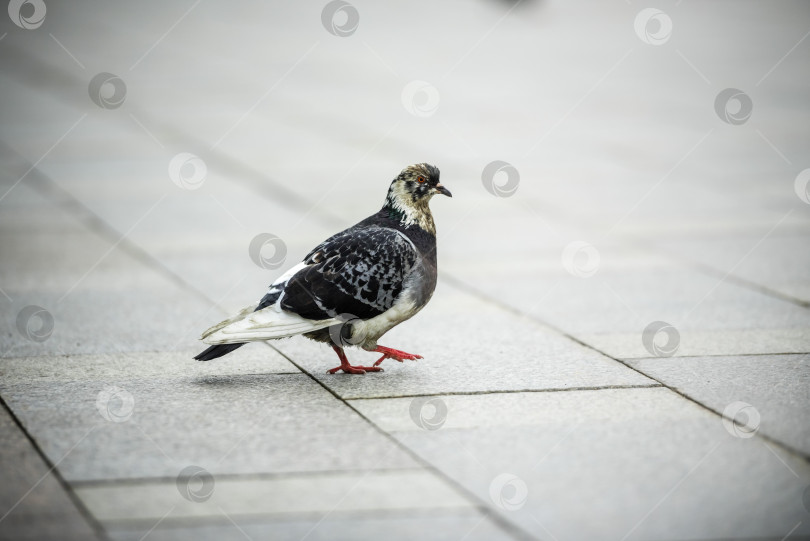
(417, 183)
(410, 193)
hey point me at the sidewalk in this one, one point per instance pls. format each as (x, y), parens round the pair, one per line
(618, 344)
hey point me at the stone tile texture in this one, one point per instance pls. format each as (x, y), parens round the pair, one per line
(538, 412)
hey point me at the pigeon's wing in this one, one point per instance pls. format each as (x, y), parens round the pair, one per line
(360, 271)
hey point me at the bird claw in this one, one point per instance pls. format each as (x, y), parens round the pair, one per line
(397, 355)
(347, 368)
(355, 369)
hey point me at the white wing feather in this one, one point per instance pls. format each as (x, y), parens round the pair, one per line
(265, 324)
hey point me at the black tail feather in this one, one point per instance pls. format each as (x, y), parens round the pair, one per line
(217, 351)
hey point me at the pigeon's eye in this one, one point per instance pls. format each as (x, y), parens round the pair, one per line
(420, 180)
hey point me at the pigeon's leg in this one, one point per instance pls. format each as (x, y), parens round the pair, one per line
(397, 355)
(349, 369)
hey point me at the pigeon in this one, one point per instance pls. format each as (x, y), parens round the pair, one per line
(355, 286)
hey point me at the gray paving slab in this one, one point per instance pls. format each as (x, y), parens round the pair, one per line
(89, 286)
(134, 365)
(776, 261)
(319, 494)
(89, 322)
(47, 247)
(343, 527)
(25, 216)
(775, 385)
(468, 346)
(637, 463)
(637, 285)
(222, 205)
(712, 316)
(33, 503)
(124, 426)
(630, 203)
(719, 342)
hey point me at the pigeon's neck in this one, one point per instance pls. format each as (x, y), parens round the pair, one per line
(400, 207)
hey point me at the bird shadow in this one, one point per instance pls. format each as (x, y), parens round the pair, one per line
(240, 380)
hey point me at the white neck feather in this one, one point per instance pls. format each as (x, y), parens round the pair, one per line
(412, 213)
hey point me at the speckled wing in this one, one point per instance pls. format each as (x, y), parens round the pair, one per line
(360, 271)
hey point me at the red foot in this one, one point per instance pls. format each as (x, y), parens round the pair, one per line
(349, 369)
(397, 355)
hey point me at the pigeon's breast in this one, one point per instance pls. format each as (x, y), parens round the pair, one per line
(366, 333)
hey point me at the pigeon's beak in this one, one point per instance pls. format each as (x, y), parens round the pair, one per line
(443, 190)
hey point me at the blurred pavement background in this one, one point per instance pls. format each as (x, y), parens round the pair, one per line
(618, 344)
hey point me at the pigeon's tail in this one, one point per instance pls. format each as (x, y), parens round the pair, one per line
(269, 323)
(217, 351)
